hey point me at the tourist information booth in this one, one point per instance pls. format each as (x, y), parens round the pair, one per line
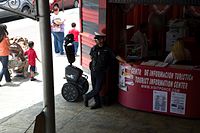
(147, 84)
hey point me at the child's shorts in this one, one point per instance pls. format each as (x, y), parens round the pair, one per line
(32, 68)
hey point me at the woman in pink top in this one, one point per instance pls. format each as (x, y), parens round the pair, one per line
(75, 32)
(4, 53)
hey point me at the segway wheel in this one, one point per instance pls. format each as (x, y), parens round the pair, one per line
(70, 92)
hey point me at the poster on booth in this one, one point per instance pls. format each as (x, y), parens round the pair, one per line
(159, 101)
(125, 77)
(177, 103)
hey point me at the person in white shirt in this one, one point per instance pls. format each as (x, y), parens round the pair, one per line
(57, 29)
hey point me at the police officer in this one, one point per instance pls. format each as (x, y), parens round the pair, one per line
(101, 58)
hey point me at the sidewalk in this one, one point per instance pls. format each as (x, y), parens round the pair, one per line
(75, 118)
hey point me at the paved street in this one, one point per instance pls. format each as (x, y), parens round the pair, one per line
(24, 93)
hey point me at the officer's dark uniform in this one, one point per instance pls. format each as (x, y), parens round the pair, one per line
(102, 57)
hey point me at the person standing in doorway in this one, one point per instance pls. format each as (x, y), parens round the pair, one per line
(4, 53)
(101, 59)
(140, 40)
(75, 32)
(57, 29)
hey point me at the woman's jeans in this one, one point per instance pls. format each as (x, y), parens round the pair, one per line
(58, 42)
(4, 71)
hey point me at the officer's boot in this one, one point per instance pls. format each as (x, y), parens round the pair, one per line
(97, 103)
(85, 100)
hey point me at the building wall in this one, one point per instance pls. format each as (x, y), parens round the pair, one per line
(93, 19)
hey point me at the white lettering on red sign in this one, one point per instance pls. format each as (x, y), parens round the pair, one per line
(136, 71)
(183, 76)
(158, 79)
(141, 80)
(159, 82)
(161, 74)
(180, 85)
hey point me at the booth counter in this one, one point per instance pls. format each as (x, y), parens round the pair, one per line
(171, 90)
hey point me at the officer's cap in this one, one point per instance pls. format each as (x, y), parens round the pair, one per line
(99, 35)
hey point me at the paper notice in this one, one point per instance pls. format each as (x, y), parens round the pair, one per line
(159, 101)
(177, 104)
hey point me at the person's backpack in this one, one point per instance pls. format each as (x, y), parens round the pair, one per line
(69, 38)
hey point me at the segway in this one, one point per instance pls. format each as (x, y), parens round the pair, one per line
(77, 83)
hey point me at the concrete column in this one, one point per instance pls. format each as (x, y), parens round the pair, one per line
(47, 65)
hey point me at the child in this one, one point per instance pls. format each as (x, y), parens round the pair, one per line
(31, 59)
(75, 33)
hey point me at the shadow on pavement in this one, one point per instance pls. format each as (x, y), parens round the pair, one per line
(16, 81)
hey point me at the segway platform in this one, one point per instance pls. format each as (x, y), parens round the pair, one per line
(77, 83)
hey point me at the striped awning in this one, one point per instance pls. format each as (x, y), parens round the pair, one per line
(181, 2)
